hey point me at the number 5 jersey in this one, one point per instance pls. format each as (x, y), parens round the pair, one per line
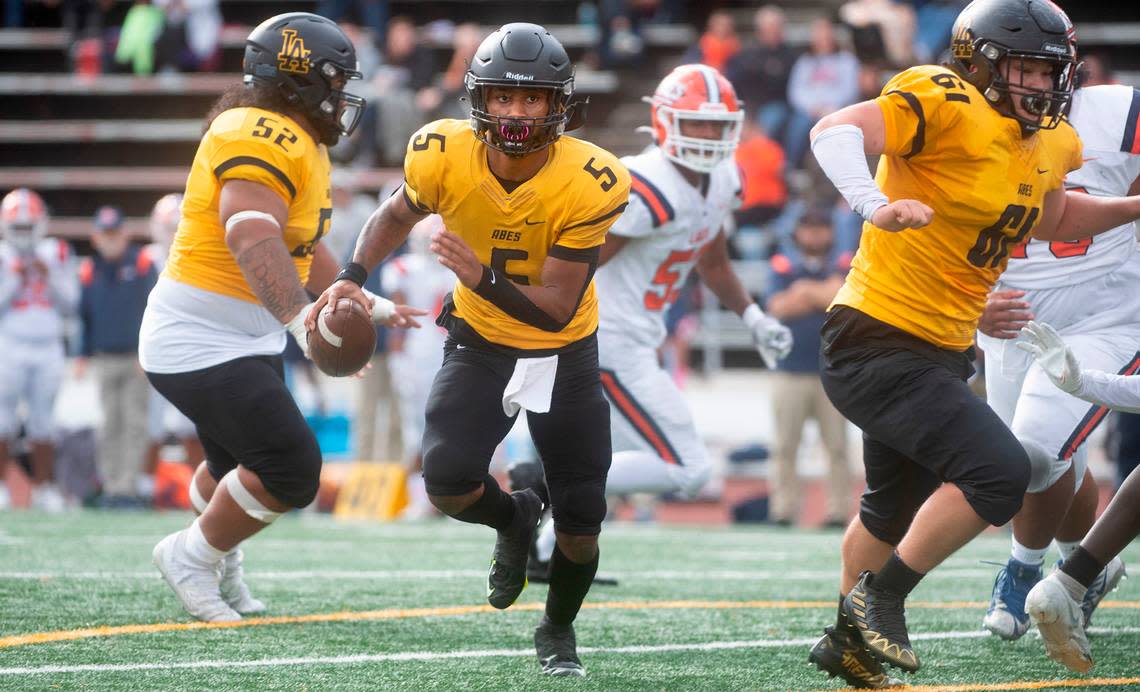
(668, 223)
(946, 147)
(202, 312)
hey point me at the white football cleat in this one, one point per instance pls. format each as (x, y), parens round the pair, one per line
(1061, 623)
(195, 585)
(46, 498)
(233, 587)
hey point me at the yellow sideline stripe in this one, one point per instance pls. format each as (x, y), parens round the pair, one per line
(1015, 685)
(444, 611)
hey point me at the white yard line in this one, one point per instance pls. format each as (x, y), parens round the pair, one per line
(349, 574)
(356, 659)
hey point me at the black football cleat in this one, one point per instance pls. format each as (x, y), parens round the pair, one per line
(507, 577)
(841, 652)
(880, 618)
(557, 650)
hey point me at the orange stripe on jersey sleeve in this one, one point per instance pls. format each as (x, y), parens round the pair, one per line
(658, 205)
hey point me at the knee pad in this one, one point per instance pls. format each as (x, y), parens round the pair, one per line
(291, 472)
(249, 504)
(889, 530)
(995, 490)
(1044, 467)
(579, 506)
(448, 471)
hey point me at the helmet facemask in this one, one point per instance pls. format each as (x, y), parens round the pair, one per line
(24, 236)
(516, 135)
(1047, 107)
(699, 154)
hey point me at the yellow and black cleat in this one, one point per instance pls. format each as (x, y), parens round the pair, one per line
(841, 652)
(880, 618)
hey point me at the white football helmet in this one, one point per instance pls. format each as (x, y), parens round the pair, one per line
(23, 219)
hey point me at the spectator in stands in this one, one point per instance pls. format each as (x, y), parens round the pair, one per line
(620, 43)
(137, 38)
(190, 33)
(717, 45)
(442, 100)
(823, 80)
(760, 71)
(802, 283)
(372, 14)
(882, 31)
(934, 19)
(400, 81)
(116, 283)
(761, 163)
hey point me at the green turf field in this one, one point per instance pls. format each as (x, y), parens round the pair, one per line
(370, 606)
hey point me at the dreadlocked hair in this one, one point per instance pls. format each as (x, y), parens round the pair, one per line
(248, 96)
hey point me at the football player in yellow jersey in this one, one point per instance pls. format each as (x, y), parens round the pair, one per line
(526, 212)
(973, 158)
(247, 247)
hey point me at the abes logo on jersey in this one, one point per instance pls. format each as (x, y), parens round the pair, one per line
(293, 56)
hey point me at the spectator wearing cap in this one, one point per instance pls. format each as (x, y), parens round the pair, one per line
(802, 283)
(115, 285)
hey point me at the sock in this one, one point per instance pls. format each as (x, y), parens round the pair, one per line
(198, 549)
(841, 621)
(1082, 566)
(569, 583)
(495, 508)
(896, 577)
(1067, 548)
(1076, 589)
(1029, 556)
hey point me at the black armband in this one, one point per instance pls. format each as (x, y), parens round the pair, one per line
(508, 298)
(353, 272)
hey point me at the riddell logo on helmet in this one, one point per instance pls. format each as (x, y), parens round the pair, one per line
(516, 75)
(293, 56)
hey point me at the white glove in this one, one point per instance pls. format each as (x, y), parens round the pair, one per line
(382, 308)
(1054, 357)
(772, 339)
(296, 327)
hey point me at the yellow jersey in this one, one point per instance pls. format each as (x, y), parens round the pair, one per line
(263, 147)
(948, 148)
(571, 202)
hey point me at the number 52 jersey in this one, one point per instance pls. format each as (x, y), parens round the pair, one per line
(946, 147)
(564, 210)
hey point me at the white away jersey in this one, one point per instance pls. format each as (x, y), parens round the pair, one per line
(1106, 118)
(423, 282)
(33, 304)
(668, 223)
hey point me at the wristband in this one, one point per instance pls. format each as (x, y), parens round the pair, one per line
(353, 272)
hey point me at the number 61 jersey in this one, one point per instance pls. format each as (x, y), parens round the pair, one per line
(262, 147)
(563, 211)
(946, 147)
(669, 222)
(1107, 119)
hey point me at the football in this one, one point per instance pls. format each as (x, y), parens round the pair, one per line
(344, 339)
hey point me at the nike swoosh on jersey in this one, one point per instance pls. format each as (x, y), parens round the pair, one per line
(1042, 172)
(528, 222)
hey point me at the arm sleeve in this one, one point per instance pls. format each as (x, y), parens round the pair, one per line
(423, 171)
(1118, 392)
(259, 161)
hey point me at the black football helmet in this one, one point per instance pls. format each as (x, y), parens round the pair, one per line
(990, 31)
(526, 56)
(309, 59)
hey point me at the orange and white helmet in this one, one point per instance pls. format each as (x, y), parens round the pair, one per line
(695, 93)
(23, 219)
(164, 219)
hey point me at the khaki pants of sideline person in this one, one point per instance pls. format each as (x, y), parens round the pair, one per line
(795, 398)
(377, 415)
(125, 396)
